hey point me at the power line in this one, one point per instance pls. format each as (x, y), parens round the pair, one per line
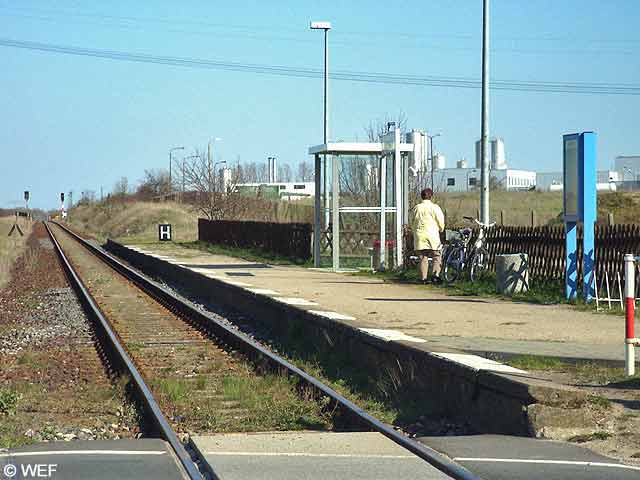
(300, 72)
(260, 33)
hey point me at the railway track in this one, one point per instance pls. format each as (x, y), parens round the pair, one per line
(185, 364)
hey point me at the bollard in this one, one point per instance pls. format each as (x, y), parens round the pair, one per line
(630, 313)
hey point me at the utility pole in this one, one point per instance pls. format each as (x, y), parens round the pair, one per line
(484, 136)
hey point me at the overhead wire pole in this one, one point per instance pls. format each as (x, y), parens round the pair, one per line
(484, 164)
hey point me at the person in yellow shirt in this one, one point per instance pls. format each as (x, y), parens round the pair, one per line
(427, 221)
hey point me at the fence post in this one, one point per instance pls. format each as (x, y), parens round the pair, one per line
(630, 294)
(502, 217)
(610, 219)
(533, 218)
(478, 214)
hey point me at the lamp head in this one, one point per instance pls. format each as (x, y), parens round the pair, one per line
(320, 25)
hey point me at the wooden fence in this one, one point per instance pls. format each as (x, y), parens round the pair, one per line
(287, 239)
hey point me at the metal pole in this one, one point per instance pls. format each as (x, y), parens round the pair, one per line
(316, 214)
(383, 213)
(431, 155)
(326, 119)
(170, 152)
(630, 294)
(484, 176)
(335, 198)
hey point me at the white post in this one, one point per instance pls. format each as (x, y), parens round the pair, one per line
(397, 162)
(317, 214)
(383, 211)
(335, 203)
(630, 296)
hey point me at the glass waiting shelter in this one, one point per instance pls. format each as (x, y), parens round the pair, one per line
(370, 179)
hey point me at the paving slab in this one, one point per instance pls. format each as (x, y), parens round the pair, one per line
(500, 457)
(442, 322)
(311, 455)
(145, 459)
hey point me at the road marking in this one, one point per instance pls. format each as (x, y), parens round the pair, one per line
(332, 315)
(264, 291)
(390, 335)
(295, 301)
(304, 454)
(478, 363)
(548, 462)
(82, 452)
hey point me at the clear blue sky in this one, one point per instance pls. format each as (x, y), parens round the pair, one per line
(78, 122)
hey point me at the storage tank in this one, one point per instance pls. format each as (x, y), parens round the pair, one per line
(462, 163)
(498, 160)
(439, 161)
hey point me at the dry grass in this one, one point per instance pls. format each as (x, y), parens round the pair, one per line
(517, 206)
(135, 221)
(11, 247)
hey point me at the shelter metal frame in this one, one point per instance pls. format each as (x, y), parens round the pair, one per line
(390, 146)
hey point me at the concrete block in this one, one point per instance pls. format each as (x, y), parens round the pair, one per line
(512, 273)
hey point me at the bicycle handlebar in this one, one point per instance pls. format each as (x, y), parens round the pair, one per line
(486, 225)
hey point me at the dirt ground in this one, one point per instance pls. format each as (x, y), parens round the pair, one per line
(53, 385)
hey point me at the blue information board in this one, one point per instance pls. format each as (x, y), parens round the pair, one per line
(580, 206)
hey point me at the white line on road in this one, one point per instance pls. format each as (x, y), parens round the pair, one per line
(304, 454)
(295, 301)
(390, 335)
(548, 462)
(332, 315)
(263, 291)
(82, 452)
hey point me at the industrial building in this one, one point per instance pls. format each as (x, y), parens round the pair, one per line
(468, 179)
(606, 180)
(628, 167)
(282, 190)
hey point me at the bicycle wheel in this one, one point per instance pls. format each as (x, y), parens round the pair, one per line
(479, 267)
(453, 264)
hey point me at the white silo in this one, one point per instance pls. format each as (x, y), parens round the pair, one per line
(462, 163)
(498, 160)
(478, 154)
(439, 161)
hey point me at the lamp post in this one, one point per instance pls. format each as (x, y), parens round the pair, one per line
(171, 150)
(431, 137)
(326, 26)
(484, 129)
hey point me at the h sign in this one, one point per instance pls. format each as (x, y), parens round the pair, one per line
(164, 232)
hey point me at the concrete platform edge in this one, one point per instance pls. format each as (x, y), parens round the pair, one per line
(491, 402)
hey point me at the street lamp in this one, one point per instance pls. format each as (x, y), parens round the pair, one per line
(171, 150)
(431, 137)
(326, 26)
(484, 128)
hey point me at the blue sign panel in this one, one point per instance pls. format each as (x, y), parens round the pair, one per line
(580, 206)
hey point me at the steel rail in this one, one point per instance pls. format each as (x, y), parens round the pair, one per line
(125, 364)
(253, 349)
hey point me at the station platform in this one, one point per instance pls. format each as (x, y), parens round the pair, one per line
(145, 459)
(426, 317)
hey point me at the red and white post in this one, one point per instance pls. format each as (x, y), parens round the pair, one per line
(630, 313)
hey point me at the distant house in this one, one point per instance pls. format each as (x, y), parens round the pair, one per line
(278, 190)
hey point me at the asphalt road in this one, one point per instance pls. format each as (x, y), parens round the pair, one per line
(499, 457)
(97, 459)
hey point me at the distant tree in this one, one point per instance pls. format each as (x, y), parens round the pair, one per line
(284, 173)
(209, 200)
(306, 171)
(154, 183)
(121, 187)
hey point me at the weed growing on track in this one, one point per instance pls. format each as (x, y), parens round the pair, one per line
(8, 401)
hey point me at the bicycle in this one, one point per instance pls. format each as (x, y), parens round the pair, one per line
(457, 255)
